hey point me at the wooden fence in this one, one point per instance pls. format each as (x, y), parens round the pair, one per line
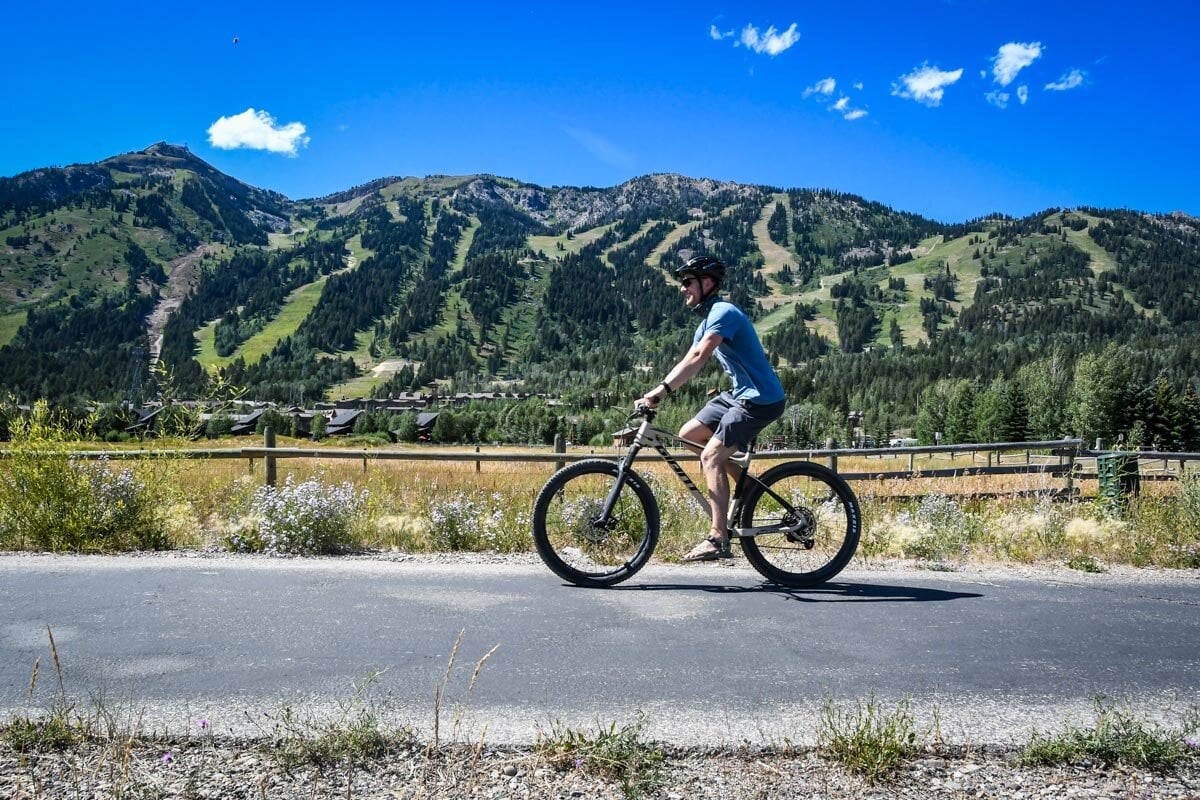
(1061, 459)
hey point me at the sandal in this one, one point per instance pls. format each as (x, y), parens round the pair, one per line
(720, 550)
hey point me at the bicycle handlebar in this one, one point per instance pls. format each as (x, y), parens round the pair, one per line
(644, 411)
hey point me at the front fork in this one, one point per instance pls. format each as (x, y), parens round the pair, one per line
(624, 468)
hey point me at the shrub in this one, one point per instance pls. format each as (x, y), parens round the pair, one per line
(219, 425)
(477, 521)
(299, 518)
(49, 501)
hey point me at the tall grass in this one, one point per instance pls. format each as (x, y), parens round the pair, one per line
(419, 506)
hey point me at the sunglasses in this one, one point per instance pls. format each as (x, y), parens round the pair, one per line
(688, 281)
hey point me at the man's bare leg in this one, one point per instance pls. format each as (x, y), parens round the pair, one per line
(714, 460)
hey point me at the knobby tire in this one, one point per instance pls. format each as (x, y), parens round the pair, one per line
(575, 544)
(827, 532)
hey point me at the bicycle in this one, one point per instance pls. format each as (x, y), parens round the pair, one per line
(596, 522)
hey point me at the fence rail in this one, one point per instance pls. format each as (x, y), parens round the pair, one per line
(1058, 458)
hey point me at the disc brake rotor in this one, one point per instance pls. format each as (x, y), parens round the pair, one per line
(801, 527)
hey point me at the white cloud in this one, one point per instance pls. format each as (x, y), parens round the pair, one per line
(824, 86)
(1069, 80)
(998, 99)
(257, 130)
(1023, 94)
(926, 84)
(772, 42)
(843, 107)
(717, 35)
(824, 89)
(858, 86)
(1012, 58)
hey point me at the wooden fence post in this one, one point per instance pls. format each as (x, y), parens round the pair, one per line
(477, 463)
(269, 461)
(560, 446)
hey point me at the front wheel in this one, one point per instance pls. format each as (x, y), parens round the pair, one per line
(812, 523)
(575, 539)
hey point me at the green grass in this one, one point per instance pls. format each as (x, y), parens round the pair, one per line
(363, 384)
(549, 244)
(616, 753)
(1116, 738)
(464, 245)
(774, 318)
(774, 256)
(669, 240)
(1101, 259)
(956, 253)
(299, 304)
(10, 323)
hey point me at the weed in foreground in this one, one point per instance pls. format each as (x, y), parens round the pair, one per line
(57, 729)
(868, 741)
(615, 753)
(355, 736)
(1117, 737)
(1085, 563)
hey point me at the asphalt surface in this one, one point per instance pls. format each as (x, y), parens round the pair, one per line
(709, 653)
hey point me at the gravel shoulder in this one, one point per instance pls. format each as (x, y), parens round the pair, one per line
(214, 769)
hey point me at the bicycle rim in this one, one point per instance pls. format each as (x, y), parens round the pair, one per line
(575, 541)
(817, 536)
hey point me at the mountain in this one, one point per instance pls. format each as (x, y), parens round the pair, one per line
(158, 259)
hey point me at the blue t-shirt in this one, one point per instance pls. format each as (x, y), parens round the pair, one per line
(740, 352)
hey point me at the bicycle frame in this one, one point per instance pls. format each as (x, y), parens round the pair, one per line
(650, 436)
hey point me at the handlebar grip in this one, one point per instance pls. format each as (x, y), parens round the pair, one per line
(642, 410)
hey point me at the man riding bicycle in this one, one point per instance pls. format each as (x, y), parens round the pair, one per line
(732, 419)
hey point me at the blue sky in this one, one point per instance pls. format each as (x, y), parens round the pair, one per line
(949, 108)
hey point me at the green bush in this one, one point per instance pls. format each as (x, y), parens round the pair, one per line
(219, 425)
(49, 501)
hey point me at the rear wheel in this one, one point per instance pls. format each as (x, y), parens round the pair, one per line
(573, 537)
(812, 534)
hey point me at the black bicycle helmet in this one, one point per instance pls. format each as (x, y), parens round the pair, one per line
(701, 266)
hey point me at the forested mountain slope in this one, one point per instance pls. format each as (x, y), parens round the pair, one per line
(474, 280)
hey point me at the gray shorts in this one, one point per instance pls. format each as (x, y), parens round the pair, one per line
(737, 422)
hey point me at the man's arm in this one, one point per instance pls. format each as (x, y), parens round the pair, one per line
(687, 368)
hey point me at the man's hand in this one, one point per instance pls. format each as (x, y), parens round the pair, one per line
(651, 398)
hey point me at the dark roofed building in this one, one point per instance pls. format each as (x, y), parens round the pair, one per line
(342, 423)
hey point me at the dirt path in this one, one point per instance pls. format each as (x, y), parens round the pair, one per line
(181, 275)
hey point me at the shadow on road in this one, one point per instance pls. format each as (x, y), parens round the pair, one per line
(825, 593)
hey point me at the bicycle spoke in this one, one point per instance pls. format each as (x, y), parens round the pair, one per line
(578, 541)
(818, 521)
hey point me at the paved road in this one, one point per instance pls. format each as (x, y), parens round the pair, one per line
(710, 653)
